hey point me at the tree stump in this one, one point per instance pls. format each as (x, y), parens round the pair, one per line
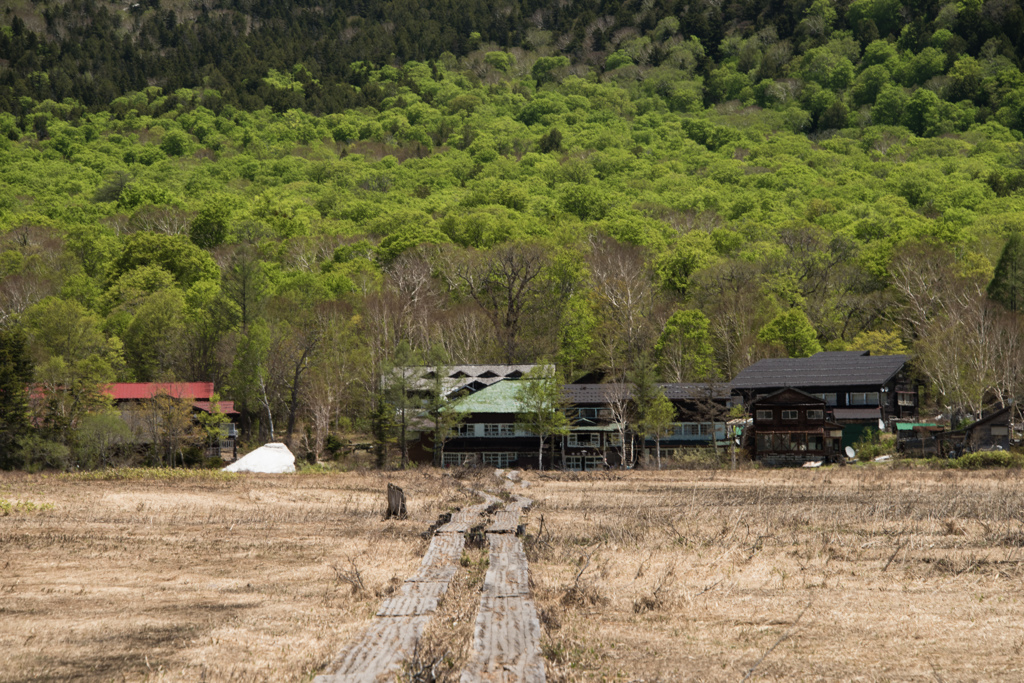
(396, 503)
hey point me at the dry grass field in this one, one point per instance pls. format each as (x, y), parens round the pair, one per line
(872, 574)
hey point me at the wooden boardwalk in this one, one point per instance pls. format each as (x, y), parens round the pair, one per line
(506, 637)
(391, 637)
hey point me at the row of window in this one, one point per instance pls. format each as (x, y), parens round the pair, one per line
(580, 439)
(790, 442)
(494, 429)
(857, 398)
(692, 429)
(791, 415)
(487, 459)
(583, 463)
(576, 463)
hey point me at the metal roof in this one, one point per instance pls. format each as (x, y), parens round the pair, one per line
(596, 393)
(226, 407)
(605, 393)
(695, 391)
(501, 397)
(909, 426)
(824, 369)
(137, 391)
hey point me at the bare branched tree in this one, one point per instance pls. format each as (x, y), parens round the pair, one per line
(968, 346)
(509, 284)
(626, 295)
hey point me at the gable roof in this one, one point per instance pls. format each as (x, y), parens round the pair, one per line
(226, 407)
(138, 391)
(467, 377)
(995, 414)
(797, 393)
(824, 369)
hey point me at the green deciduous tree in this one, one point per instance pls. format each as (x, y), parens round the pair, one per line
(684, 349)
(176, 254)
(792, 331)
(655, 416)
(541, 408)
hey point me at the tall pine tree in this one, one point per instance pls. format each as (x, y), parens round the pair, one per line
(1007, 286)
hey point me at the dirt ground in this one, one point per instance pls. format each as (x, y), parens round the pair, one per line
(868, 574)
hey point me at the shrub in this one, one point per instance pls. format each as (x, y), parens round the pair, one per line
(8, 508)
(977, 461)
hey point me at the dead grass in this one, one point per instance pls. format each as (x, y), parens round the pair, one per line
(252, 578)
(850, 574)
(858, 574)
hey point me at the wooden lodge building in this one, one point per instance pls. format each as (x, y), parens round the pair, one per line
(134, 400)
(791, 428)
(488, 436)
(861, 390)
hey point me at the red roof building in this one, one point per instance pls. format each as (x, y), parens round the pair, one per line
(140, 391)
(200, 393)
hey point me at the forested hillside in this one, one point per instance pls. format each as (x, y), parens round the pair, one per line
(275, 200)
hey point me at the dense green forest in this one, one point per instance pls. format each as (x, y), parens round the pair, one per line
(288, 199)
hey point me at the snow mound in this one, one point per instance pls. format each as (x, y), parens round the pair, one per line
(272, 458)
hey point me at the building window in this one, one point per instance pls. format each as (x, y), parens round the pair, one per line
(500, 429)
(615, 439)
(585, 439)
(864, 398)
(764, 415)
(829, 399)
(905, 398)
(815, 442)
(581, 463)
(705, 429)
(587, 413)
(467, 430)
(815, 414)
(499, 459)
(790, 414)
(457, 459)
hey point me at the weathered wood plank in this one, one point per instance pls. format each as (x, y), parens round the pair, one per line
(506, 643)
(408, 605)
(391, 637)
(378, 654)
(508, 572)
(444, 549)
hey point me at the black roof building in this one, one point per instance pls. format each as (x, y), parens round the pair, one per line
(827, 369)
(859, 388)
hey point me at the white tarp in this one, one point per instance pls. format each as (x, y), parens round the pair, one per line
(273, 458)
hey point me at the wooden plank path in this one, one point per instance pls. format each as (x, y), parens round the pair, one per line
(506, 637)
(391, 638)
